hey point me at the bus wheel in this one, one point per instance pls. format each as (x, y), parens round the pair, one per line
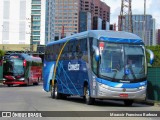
(128, 102)
(36, 83)
(9, 85)
(28, 82)
(88, 99)
(52, 91)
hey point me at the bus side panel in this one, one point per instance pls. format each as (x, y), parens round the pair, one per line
(47, 74)
(71, 76)
(27, 73)
(36, 73)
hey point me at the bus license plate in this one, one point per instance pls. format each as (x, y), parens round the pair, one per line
(123, 95)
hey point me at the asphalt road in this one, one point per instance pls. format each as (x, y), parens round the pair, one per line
(35, 99)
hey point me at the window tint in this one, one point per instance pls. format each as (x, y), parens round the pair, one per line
(74, 49)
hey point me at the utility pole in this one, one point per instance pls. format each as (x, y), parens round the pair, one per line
(62, 33)
(125, 18)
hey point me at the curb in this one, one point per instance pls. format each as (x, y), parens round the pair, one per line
(150, 102)
(1, 83)
(157, 104)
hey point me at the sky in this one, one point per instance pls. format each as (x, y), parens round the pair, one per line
(152, 8)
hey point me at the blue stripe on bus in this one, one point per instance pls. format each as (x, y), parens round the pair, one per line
(121, 40)
(121, 85)
(47, 74)
(61, 68)
(60, 41)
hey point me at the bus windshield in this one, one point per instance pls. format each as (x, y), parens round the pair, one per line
(123, 62)
(14, 66)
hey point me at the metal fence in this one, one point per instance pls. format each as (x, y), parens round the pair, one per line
(153, 90)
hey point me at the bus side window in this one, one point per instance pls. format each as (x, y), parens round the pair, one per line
(84, 44)
(65, 52)
(90, 44)
(57, 50)
(93, 61)
(46, 54)
(72, 50)
(78, 49)
(51, 52)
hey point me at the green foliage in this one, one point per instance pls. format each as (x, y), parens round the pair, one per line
(2, 53)
(156, 51)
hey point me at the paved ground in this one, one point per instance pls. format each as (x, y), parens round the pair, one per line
(34, 98)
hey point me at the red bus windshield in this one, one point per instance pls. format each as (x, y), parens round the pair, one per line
(14, 67)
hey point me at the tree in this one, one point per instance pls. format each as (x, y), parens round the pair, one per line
(2, 53)
(156, 51)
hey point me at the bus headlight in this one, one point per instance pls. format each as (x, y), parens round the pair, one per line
(104, 86)
(142, 88)
(21, 79)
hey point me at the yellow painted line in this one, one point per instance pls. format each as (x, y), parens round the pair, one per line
(55, 68)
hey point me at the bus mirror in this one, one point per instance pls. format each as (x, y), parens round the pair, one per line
(151, 56)
(97, 55)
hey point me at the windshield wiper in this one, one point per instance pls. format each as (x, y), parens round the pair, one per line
(115, 73)
(130, 67)
(142, 70)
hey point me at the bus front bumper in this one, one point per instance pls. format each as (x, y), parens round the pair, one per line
(106, 92)
(14, 82)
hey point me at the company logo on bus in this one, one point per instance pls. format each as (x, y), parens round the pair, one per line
(101, 47)
(73, 67)
(124, 90)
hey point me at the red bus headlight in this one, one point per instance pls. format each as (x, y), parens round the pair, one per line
(24, 63)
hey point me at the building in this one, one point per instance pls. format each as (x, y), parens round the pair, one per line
(138, 28)
(62, 19)
(84, 21)
(22, 22)
(49, 20)
(38, 22)
(158, 36)
(100, 13)
(66, 20)
(67, 17)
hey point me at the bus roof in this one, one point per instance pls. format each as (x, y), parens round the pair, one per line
(24, 56)
(105, 35)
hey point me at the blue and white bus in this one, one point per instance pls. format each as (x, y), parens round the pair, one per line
(97, 64)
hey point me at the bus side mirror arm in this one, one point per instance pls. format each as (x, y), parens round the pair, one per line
(151, 56)
(97, 54)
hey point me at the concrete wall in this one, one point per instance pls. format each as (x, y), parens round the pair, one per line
(17, 47)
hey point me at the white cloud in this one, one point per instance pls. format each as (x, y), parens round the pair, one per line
(152, 7)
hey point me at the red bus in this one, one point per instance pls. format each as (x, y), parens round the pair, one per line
(22, 69)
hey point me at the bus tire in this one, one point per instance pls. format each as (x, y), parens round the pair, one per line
(52, 91)
(89, 100)
(35, 83)
(28, 82)
(57, 95)
(128, 102)
(9, 85)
